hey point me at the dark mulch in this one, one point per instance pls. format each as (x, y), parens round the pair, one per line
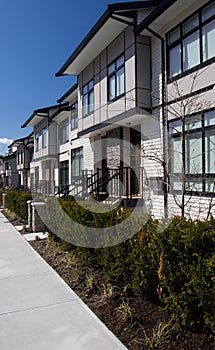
(90, 286)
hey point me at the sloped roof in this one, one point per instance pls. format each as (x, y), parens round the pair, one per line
(113, 21)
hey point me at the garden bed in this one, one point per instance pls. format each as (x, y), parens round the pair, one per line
(131, 319)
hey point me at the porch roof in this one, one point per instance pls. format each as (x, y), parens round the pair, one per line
(41, 113)
(128, 118)
(22, 140)
(68, 93)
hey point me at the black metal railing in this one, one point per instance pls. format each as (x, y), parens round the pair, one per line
(117, 182)
(43, 187)
(78, 186)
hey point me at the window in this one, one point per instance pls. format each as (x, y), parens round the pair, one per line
(77, 164)
(199, 152)
(64, 131)
(74, 116)
(64, 174)
(22, 157)
(44, 137)
(208, 39)
(192, 42)
(88, 98)
(37, 136)
(116, 78)
(8, 166)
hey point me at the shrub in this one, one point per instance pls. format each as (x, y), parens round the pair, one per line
(175, 268)
(16, 201)
(186, 273)
(1, 192)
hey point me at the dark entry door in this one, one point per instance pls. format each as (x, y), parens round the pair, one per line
(135, 159)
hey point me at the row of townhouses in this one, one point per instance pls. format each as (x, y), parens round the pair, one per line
(139, 124)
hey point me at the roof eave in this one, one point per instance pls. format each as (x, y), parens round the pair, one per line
(67, 93)
(111, 8)
(41, 110)
(84, 42)
(155, 14)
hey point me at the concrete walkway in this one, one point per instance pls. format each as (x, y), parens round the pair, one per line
(38, 311)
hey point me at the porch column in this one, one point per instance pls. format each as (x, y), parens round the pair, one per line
(3, 201)
(38, 216)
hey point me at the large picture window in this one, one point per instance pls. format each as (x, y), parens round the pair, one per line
(191, 43)
(88, 98)
(116, 78)
(199, 152)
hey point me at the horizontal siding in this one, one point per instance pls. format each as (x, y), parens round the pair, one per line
(156, 71)
(196, 207)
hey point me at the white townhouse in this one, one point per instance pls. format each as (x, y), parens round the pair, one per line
(1, 170)
(183, 77)
(145, 78)
(24, 154)
(45, 157)
(9, 174)
(75, 156)
(61, 160)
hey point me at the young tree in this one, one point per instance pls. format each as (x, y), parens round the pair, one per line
(180, 105)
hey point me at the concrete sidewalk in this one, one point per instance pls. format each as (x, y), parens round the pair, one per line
(38, 311)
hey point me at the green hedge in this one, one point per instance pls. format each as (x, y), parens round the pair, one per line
(187, 273)
(16, 201)
(1, 191)
(175, 267)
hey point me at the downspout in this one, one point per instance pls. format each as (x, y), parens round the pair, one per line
(164, 121)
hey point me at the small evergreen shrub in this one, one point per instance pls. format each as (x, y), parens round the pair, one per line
(1, 192)
(16, 201)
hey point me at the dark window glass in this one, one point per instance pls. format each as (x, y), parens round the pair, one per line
(116, 78)
(199, 153)
(192, 42)
(88, 98)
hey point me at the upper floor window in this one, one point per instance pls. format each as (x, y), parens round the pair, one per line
(8, 166)
(199, 151)
(22, 157)
(88, 98)
(64, 131)
(37, 136)
(74, 116)
(192, 42)
(116, 78)
(44, 137)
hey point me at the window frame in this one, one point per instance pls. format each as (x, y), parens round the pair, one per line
(74, 116)
(87, 93)
(113, 74)
(182, 37)
(64, 131)
(37, 139)
(202, 177)
(44, 137)
(77, 154)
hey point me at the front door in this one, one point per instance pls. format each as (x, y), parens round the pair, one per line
(135, 159)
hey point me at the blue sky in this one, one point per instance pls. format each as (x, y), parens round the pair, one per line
(36, 38)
